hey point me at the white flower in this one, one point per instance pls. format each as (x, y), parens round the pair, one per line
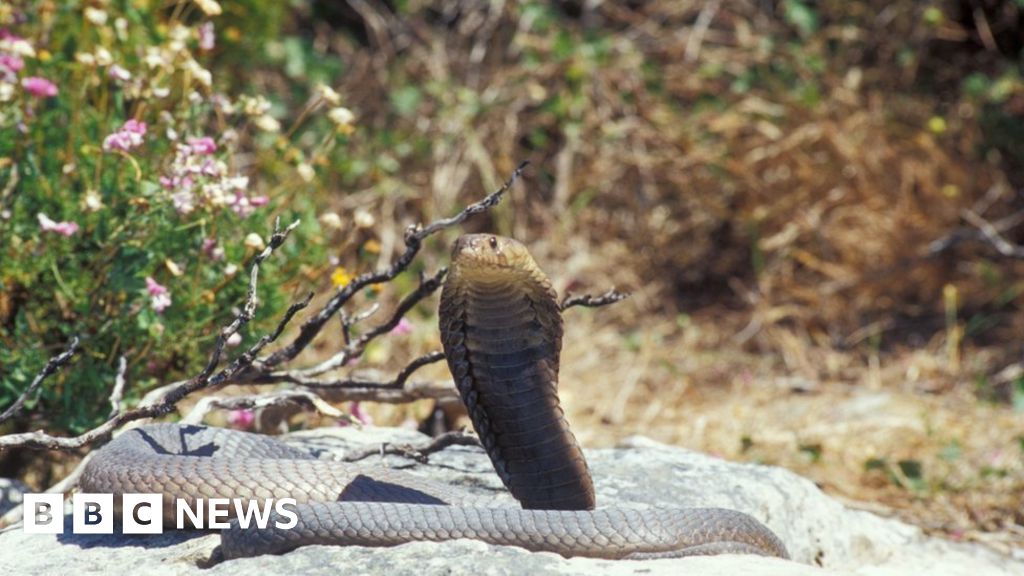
(254, 106)
(209, 7)
(306, 172)
(328, 94)
(103, 57)
(254, 240)
(331, 220)
(92, 201)
(118, 73)
(96, 16)
(85, 58)
(121, 26)
(19, 46)
(267, 123)
(341, 116)
(363, 218)
(202, 75)
(154, 57)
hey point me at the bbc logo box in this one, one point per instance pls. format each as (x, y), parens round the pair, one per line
(144, 513)
(93, 513)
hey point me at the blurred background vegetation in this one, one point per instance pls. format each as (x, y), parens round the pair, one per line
(819, 208)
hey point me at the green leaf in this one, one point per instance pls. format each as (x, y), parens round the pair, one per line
(406, 100)
(800, 15)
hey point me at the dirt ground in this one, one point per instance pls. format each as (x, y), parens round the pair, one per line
(899, 436)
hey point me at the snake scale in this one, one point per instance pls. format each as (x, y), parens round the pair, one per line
(501, 328)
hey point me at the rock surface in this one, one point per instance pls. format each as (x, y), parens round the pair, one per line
(823, 537)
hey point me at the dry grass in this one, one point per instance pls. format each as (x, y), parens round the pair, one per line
(772, 199)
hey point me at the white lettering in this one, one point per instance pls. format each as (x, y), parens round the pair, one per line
(285, 507)
(142, 514)
(218, 508)
(43, 513)
(92, 513)
(182, 509)
(244, 513)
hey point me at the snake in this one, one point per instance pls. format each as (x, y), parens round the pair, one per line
(501, 329)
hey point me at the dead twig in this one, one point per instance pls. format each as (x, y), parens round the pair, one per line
(417, 453)
(993, 235)
(587, 301)
(52, 365)
(256, 401)
(117, 395)
(356, 347)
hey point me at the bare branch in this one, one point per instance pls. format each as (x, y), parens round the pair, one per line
(414, 236)
(52, 365)
(249, 309)
(279, 398)
(118, 394)
(993, 235)
(587, 301)
(365, 385)
(417, 453)
(355, 348)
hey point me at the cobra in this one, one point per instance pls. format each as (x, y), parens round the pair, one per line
(501, 327)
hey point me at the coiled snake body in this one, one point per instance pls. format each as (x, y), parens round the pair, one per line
(501, 328)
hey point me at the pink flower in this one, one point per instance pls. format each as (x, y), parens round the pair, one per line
(241, 418)
(39, 87)
(154, 288)
(11, 63)
(161, 296)
(212, 250)
(203, 145)
(133, 126)
(127, 138)
(207, 39)
(357, 411)
(234, 340)
(118, 73)
(184, 201)
(46, 224)
(403, 327)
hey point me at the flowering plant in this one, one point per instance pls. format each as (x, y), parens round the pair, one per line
(126, 213)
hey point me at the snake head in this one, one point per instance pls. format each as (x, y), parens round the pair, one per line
(488, 254)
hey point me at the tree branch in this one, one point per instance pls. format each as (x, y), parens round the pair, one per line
(279, 398)
(52, 365)
(587, 301)
(418, 453)
(414, 236)
(355, 348)
(992, 234)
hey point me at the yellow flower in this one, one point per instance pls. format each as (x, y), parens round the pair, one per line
(340, 277)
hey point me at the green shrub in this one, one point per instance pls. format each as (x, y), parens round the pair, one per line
(135, 187)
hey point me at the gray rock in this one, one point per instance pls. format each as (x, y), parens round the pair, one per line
(10, 494)
(823, 536)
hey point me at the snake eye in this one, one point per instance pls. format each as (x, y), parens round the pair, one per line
(493, 242)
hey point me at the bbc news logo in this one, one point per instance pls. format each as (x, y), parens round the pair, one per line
(144, 513)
